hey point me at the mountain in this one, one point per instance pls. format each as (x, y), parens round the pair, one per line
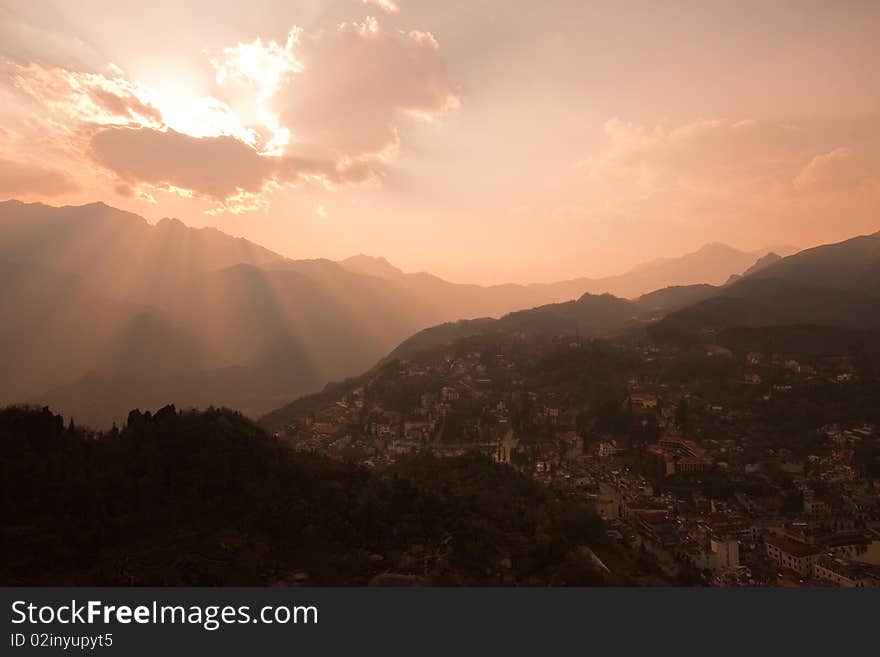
(371, 266)
(852, 265)
(675, 297)
(591, 315)
(56, 327)
(208, 498)
(833, 285)
(768, 301)
(749, 309)
(106, 312)
(762, 263)
(470, 300)
(118, 253)
(711, 264)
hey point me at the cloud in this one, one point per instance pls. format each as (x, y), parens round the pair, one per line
(22, 178)
(23, 41)
(216, 167)
(740, 161)
(839, 169)
(722, 179)
(710, 156)
(324, 107)
(388, 6)
(88, 98)
(344, 91)
(252, 72)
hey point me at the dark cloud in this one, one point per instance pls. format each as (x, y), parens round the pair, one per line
(124, 105)
(213, 166)
(217, 167)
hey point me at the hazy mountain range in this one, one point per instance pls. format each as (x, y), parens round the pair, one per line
(830, 285)
(105, 312)
(712, 264)
(835, 285)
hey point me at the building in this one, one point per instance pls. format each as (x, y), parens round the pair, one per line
(674, 454)
(682, 446)
(689, 464)
(726, 551)
(793, 555)
(656, 525)
(607, 449)
(843, 572)
(448, 393)
(643, 400)
(817, 508)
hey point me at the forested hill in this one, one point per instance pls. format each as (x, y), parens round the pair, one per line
(207, 498)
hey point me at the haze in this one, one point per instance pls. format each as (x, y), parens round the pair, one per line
(484, 141)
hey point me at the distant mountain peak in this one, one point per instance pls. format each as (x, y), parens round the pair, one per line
(371, 266)
(763, 261)
(170, 223)
(710, 247)
(782, 250)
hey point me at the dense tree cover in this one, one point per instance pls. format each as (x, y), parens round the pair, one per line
(207, 498)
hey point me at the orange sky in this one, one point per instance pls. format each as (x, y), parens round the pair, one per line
(485, 140)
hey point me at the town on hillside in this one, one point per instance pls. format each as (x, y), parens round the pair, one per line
(724, 467)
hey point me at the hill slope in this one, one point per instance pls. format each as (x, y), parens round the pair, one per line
(209, 499)
(109, 313)
(834, 285)
(852, 265)
(591, 315)
(127, 314)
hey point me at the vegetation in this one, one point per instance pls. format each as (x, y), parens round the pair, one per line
(208, 498)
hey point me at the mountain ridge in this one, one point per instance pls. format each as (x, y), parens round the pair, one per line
(183, 312)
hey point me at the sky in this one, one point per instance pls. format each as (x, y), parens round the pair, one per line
(485, 141)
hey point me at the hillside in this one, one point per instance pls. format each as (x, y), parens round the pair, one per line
(108, 312)
(57, 327)
(852, 265)
(119, 253)
(688, 314)
(588, 316)
(675, 297)
(591, 315)
(834, 285)
(768, 302)
(762, 263)
(207, 498)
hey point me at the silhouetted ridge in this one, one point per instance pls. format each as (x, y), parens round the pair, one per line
(590, 315)
(207, 498)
